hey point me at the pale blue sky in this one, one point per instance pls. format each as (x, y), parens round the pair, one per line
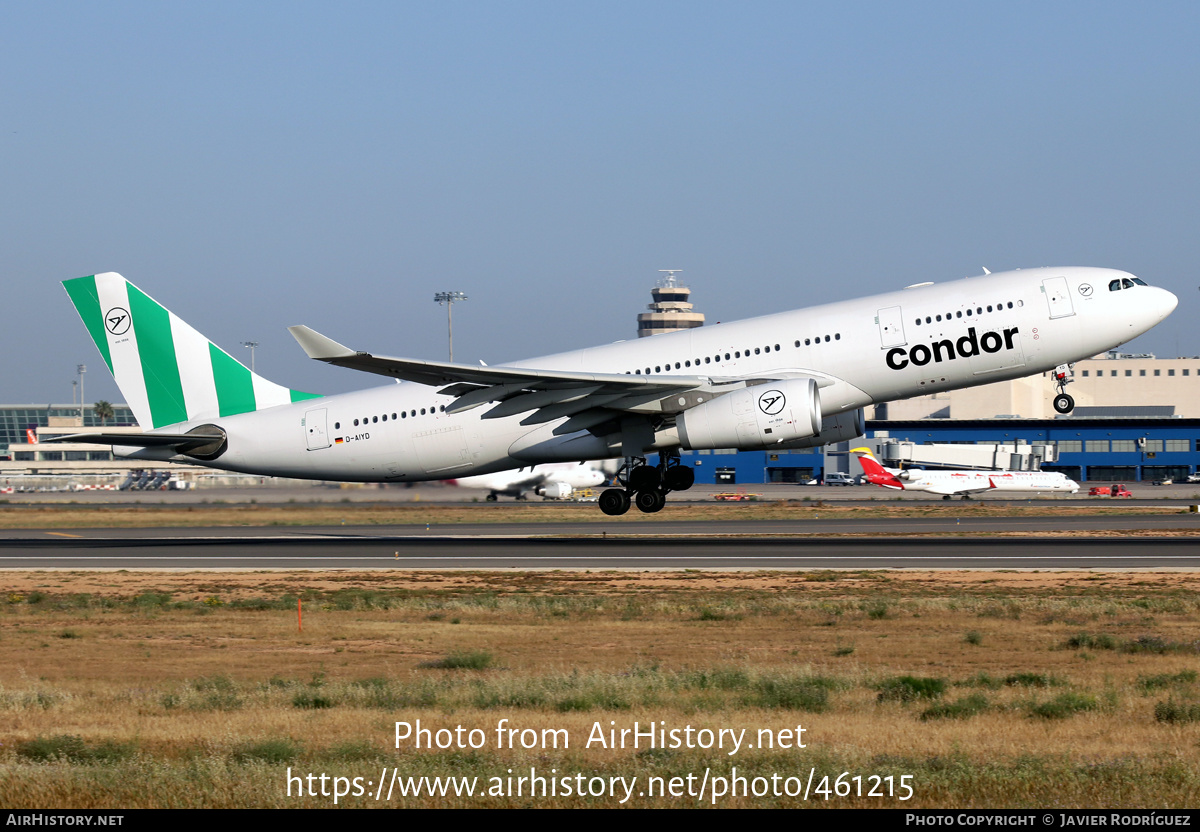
(258, 165)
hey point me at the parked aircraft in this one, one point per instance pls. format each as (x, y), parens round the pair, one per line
(554, 479)
(948, 483)
(782, 381)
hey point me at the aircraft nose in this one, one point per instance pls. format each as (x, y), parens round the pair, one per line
(1165, 302)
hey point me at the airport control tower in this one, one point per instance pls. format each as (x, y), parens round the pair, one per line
(670, 311)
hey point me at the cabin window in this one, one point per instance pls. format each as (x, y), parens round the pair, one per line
(338, 425)
(826, 339)
(837, 336)
(355, 423)
(403, 414)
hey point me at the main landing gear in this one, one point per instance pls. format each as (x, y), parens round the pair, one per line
(1063, 402)
(646, 485)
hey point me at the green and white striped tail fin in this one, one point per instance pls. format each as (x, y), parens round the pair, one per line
(167, 371)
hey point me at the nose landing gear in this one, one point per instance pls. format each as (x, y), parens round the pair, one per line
(1063, 375)
(645, 485)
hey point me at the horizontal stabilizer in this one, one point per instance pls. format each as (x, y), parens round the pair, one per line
(140, 440)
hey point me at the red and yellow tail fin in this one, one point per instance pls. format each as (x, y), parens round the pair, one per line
(875, 472)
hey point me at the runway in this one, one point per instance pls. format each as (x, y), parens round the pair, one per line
(903, 543)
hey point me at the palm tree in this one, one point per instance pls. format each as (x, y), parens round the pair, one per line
(103, 411)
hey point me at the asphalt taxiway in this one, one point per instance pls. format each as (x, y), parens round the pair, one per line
(1098, 542)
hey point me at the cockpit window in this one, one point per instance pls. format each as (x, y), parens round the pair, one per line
(1126, 283)
(1140, 282)
(1114, 285)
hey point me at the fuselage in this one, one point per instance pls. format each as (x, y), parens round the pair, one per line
(910, 342)
(971, 482)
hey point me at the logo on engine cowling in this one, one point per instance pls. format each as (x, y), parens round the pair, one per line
(771, 402)
(967, 346)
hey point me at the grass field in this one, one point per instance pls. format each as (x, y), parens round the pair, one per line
(1012, 689)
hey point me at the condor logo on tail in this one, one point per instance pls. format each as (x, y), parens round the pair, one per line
(947, 350)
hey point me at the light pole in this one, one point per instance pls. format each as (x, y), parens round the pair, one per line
(448, 299)
(250, 345)
(81, 369)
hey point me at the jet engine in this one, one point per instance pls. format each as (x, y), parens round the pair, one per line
(836, 428)
(754, 418)
(554, 490)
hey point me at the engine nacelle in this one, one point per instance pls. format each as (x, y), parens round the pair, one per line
(836, 428)
(753, 418)
(555, 490)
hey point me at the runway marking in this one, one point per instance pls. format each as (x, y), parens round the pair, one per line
(64, 534)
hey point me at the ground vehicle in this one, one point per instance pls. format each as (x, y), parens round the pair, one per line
(838, 478)
(1194, 477)
(1115, 490)
(735, 496)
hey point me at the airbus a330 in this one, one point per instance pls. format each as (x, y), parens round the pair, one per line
(782, 381)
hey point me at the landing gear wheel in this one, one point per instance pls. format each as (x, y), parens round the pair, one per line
(945, 496)
(644, 478)
(491, 498)
(679, 478)
(651, 501)
(614, 501)
(1063, 403)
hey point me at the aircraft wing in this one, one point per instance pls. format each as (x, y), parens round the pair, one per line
(551, 394)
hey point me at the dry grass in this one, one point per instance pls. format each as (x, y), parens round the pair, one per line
(196, 689)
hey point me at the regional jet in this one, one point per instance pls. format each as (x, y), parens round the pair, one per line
(779, 382)
(965, 483)
(554, 480)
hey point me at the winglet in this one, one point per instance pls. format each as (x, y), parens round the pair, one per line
(317, 345)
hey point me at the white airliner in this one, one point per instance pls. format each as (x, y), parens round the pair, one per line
(556, 480)
(966, 483)
(786, 380)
